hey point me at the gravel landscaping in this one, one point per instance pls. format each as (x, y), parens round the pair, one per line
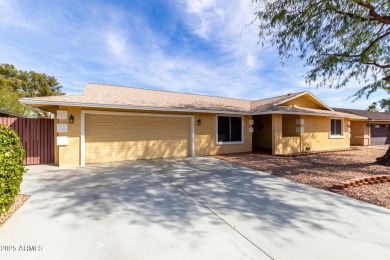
(324, 170)
(19, 201)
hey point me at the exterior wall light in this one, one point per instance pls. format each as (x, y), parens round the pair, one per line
(71, 119)
(199, 122)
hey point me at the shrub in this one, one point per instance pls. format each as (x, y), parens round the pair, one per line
(11, 167)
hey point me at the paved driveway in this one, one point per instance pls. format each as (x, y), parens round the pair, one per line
(377, 147)
(196, 208)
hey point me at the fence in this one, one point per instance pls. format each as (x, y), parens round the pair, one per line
(37, 136)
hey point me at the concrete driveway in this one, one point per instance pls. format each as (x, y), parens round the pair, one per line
(195, 208)
(377, 147)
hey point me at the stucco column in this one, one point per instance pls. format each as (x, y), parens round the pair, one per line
(69, 155)
(276, 133)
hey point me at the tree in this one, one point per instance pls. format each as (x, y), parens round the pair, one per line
(15, 84)
(373, 107)
(385, 104)
(339, 40)
(9, 102)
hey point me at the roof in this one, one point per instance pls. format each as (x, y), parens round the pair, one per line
(99, 95)
(107, 96)
(275, 106)
(4, 113)
(265, 104)
(370, 115)
(307, 111)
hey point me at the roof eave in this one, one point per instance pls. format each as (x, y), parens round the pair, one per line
(378, 120)
(10, 113)
(304, 93)
(308, 114)
(116, 106)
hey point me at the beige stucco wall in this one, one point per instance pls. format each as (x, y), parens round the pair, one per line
(360, 133)
(277, 135)
(69, 155)
(55, 143)
(316, 136)
(283, 145)
(205, 136)
(289, 145)
(289, 125)
(303, 101)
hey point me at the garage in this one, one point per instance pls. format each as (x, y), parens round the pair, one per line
(380, 134)
(124, 136)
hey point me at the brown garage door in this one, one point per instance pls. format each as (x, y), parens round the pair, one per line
(111, 138)
(380, 134)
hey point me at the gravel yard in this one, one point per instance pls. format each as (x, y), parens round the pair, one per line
(324, 170)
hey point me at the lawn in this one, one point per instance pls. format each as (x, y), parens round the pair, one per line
(324, 170)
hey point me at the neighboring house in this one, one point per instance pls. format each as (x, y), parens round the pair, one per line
(109, 123)
(4, 113)
(374, 130)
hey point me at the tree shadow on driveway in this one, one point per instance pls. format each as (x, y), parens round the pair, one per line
(247, 195)
(197, 196)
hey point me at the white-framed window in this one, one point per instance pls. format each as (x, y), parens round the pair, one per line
(336, 128)
(230, 129)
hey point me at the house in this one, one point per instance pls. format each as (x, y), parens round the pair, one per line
(110, 123)
(374, 130)
(4, 113)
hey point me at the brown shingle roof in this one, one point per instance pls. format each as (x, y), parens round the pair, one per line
(380, 116)
(138, 97)
(100, 95)
(265, 104)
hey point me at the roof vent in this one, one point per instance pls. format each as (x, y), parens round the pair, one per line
(289, 94)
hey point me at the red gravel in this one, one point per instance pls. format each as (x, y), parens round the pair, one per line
(324, 170)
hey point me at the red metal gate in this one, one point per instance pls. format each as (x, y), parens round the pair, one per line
(37, 136)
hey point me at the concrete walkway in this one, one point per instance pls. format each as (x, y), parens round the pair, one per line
(195, 208)
(376, 147)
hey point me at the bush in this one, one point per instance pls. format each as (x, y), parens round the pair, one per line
(11, 167)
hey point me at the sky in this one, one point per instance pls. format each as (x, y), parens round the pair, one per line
(195, 46)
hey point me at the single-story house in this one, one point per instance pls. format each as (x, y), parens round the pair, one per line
(374, 130)
(110, 123)
(4, 113)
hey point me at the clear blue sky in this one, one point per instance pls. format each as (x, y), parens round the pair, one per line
(195, 46)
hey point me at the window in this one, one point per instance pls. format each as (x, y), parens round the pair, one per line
(336, 127)
(229, 129)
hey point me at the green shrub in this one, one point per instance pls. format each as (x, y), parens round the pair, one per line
(11, 167)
